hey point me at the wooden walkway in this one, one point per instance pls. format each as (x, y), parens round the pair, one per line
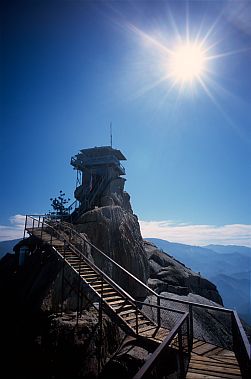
(207, 361)
(211, 362)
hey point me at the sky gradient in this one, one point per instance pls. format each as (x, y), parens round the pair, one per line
(69, 68)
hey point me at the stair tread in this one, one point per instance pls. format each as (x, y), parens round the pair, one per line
(117, 301)
(90, 275)
(147, 327)
(105, 285)
(140, 322)
(132, 310)
(132, 317)
(112, 297)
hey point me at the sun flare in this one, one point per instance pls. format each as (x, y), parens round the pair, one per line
(182, 62)
(187, 62)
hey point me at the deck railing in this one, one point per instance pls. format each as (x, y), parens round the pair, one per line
(155, 362)
(226, 319)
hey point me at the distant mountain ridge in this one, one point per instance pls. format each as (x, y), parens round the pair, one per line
(227, 249)
(229, 267)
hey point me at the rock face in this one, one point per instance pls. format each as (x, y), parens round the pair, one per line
(116, 232)
(39, 342)
(169, 275)
(79, 351)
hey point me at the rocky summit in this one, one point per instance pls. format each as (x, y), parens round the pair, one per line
(53, 326)
(40, 340)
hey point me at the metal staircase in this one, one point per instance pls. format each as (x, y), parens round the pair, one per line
(88, 201)
(207, 360)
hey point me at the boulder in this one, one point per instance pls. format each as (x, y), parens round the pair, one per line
(168, 274)
(205, 321)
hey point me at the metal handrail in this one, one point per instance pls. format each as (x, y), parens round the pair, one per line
(160, 307)
(241, 336)
(156, 355)
(111, 260)
(242, 332)
(211, 307)
(80, 253)
(159, 297)
(122, 292)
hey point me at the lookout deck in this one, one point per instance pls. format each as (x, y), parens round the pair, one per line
(210, 362)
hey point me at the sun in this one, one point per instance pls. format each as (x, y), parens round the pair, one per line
(187, 63)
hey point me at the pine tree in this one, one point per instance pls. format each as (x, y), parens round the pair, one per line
(58, 205)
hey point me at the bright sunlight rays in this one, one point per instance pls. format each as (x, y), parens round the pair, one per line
(180, 61)
(187, 63)
(182, 58)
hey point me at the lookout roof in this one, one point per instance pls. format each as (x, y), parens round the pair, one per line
(103, 151)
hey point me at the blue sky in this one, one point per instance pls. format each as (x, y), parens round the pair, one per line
(71, 67)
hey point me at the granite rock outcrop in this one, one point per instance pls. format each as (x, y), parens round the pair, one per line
(169, 275)
(116, 232)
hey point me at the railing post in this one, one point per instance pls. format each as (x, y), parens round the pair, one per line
(42, 227)
(102, 287)
(240, 348)
(233, 331)
(79, 278)
(62, 284)
(181, 368)
(158, 311)
(137, 321)
(33, 223)
(25, 226)
(190, 327)
(100, 328)
(189, 347)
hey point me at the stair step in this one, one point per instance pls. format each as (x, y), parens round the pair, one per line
(109, 290)
(125, 310)
(105, 293)
(90, 281)
(96, 282)
(71, 254)
(86, 271)
(105, 286)
(73, 259)
(116, 302)
(89, 277)
(76, 265)
(108, 298)
(132, 317)
(141, 321)
(145, 328)
(92, 273)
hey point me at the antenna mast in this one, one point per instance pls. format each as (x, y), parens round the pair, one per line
(111, 133)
